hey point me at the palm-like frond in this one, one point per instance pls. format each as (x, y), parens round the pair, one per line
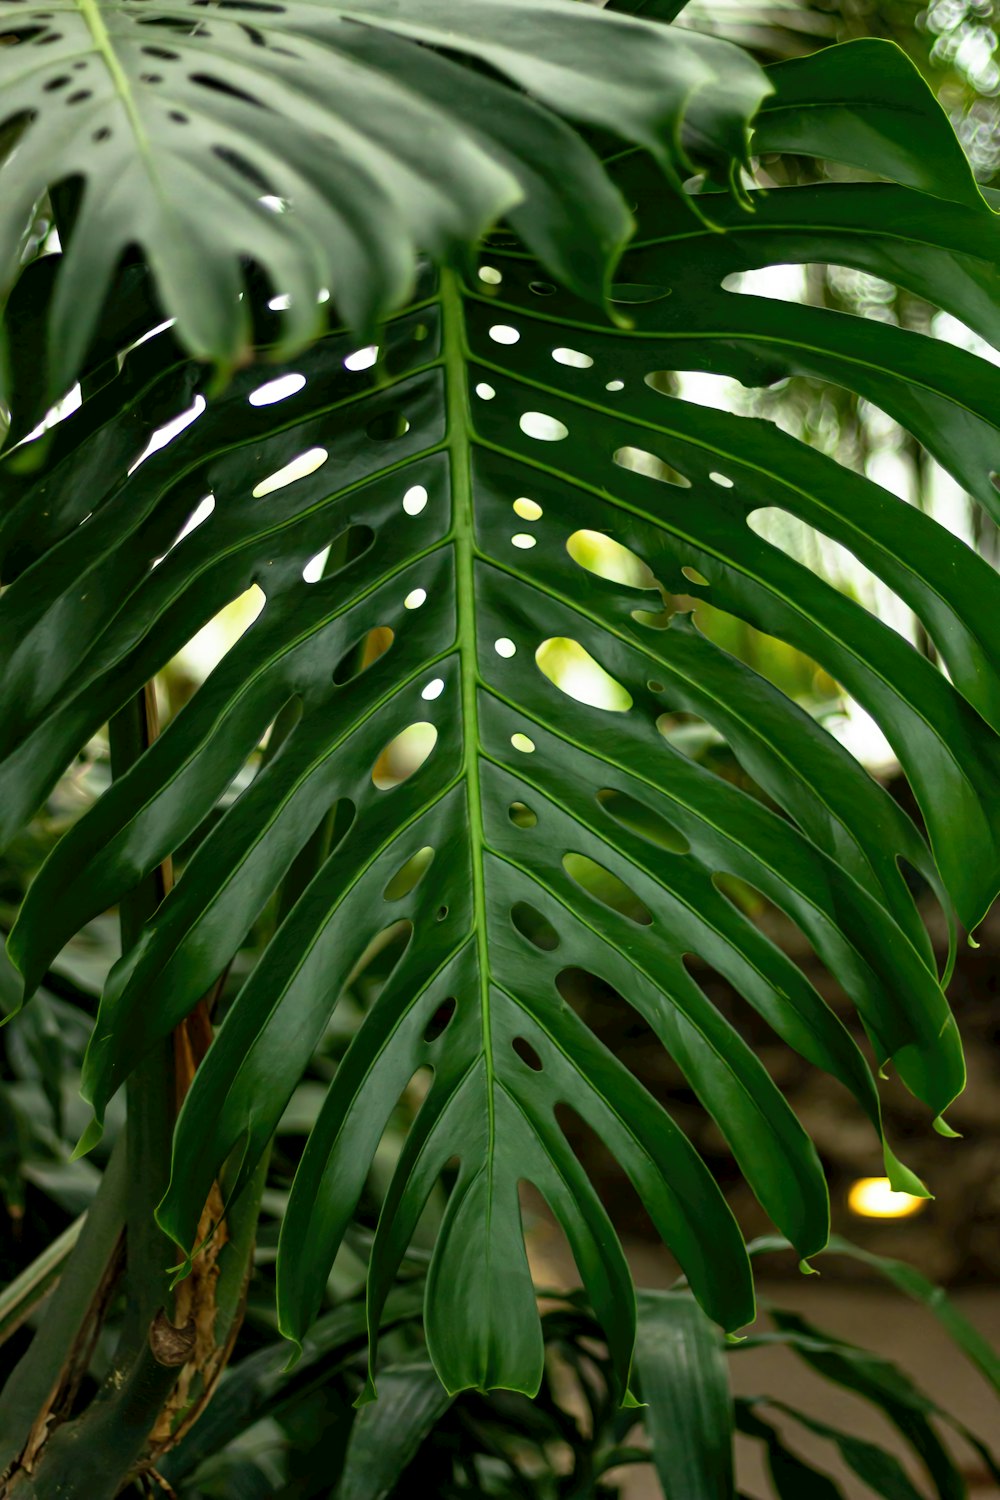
(457, 482)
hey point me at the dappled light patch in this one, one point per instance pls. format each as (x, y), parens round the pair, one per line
(542, 427)
(603, 884)
(403, 756)
(609, 559)
(363, 653)
(642, 820)
(572, 669)
(409, 874)
(297, 468)
(640, 461)
(278, 389)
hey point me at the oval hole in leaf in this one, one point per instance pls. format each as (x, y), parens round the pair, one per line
(404, 755)
(639, 461)
(538, 424)
(640, 819)
(409, 874)
(607, 558)
(531, 924)
(345, 548)
(528, 510)
(521, 815)
(387, 425)
(523, 743)
(572, 357)
(365, 651)
(527, 1053)
(278, 389)
(299, 467)
(572, 669)
(379, 957)
(440, 1020)
(693, 576)
(602, 884)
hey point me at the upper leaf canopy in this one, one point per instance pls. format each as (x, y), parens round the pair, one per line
(331, 143)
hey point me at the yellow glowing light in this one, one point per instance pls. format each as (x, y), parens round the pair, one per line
(873, 1198)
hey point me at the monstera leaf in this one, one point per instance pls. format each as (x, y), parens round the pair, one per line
(330, 143)
(443, 532)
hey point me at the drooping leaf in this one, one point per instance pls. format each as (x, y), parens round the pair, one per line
(388, 1432)
(684, 1383)
(882, 1383)
(325, 141)
(866, 104)
(792, 1477)
(912, 1283)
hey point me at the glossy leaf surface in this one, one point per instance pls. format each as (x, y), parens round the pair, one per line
(454, 485)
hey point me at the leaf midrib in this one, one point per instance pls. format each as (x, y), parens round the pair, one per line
(458, 417)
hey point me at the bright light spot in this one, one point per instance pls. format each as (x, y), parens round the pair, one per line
(722, 479)
(414, 500)
(537, 424)
(305, 463)
(415, 598)
(615, 385)
(205, 650)
(324, 294)
(528, 510)
(163, 435)
(859, 733)
(404, 755)
(572, 357)
(362, 359)
(484, 391)
(502, 333)
(276, 205)
(504, 646)
(523, 540)
(313, 570)
(490, 275)
(522, 742)
(433, 689)
(281, 303)
(574, 671)
(780, 283)
(277, 390)
(873, 1198)
(201, 512)
(64, 408)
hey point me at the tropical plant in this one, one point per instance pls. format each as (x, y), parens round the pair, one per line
(474, 510)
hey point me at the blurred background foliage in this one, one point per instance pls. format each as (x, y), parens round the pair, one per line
(291, 1433)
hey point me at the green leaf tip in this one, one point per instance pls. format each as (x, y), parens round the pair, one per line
(807, 1269)
(943, 1128)
(88, 1140)
(901, 1178)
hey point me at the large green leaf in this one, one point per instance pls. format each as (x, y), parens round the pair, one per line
(329, 143)
(459, 482)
